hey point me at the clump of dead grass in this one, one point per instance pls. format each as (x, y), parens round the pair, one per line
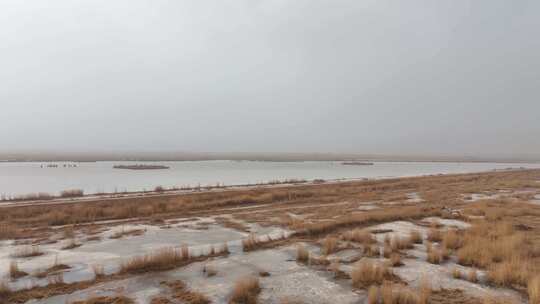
(434, 254)
(329, 245)
(302, 254)
(360, 236)
(395, 260)
(161, 259)
(372, 250)
(245, 291)
(400, 243)
(516, 270)
(399, 294)
(452, 240)
(456, 273)
(434, 234)
(250, 243)
(416, 237)
(367, 273)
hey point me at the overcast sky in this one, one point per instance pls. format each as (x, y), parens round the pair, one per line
(367, 76)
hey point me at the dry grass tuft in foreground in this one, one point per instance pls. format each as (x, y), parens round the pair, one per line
(496, 246)
(245, 291)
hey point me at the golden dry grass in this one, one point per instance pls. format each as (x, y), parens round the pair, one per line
(416, 237)
(360, 236)
(456, 273)
(425, 290)
(437, 191)
(487, 243)
(451, 239)
(245, 291)
(372, 250)
(516, 270)
(367, 273)
(373, 295)
(472, 276)
(533, 289)
(399, 294)
(162, 259)
(329, 245)
(250, 243)
(434, 235)
(434, 255)
(395, 260)
(400, 243)
(302, 254)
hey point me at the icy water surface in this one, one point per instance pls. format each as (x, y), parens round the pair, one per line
(17, 178)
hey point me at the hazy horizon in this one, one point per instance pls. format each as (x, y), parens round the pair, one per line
(370, 77)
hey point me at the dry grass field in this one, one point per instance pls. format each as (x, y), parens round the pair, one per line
(374, 237)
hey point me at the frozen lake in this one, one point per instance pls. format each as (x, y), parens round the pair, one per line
(17, 178)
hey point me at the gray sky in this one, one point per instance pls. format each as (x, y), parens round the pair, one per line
(368, 76)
